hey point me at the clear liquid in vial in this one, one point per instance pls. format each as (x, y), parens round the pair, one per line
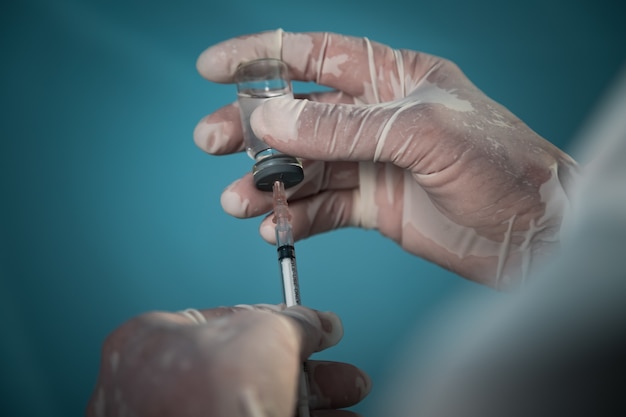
(247, 104)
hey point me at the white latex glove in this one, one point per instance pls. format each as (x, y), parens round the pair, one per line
(224, 362)
(406, 145)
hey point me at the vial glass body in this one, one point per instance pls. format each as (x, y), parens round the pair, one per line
(258, 81)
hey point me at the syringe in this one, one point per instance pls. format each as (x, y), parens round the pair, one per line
(284, 246)
(289, 275)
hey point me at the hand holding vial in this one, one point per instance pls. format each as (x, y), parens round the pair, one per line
(404, 144)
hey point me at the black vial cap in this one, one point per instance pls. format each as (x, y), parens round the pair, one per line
(284, 168)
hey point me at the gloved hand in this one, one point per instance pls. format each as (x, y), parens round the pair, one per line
(405, 144)
(239, 361)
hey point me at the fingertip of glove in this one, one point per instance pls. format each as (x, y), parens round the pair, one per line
(233, 203)
(211, 137)
(268, 231)
(277, 119)
(214, 64)
(219, 62)
(326, 323)
(332, 328)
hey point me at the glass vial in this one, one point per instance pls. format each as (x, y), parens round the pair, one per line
(258, 81)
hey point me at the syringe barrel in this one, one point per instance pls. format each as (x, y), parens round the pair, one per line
(284, 236)
(289, 275)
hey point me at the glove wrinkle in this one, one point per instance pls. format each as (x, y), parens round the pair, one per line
(373, 73)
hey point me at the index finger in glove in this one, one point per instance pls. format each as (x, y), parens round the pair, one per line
(221, 133)
(368, 70)
(319, 329)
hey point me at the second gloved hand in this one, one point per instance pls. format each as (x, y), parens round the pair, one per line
(224, 362)
(405, 144)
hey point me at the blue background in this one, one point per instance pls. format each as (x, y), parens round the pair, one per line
(108, 209)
